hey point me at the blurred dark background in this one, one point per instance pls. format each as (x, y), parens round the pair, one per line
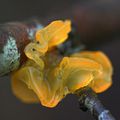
(98, 23)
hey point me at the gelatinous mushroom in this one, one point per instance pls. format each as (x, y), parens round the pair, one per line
(48, 77)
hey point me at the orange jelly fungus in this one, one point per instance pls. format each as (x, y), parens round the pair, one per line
(47, 78)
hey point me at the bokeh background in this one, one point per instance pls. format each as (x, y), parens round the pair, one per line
(98, 24)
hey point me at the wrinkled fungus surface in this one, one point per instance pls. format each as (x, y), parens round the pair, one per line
(48, 78)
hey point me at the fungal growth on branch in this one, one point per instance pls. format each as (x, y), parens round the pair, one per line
(47, 77)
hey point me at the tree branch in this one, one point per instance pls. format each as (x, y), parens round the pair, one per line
(88, 100)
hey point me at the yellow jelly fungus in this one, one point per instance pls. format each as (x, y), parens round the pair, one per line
(55, 33)
(104, 80)
(47, 78)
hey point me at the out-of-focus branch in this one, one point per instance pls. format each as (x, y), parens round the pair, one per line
(97, 21)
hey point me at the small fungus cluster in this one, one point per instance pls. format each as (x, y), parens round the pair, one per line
(46, 77)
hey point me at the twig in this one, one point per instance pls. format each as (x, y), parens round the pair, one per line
(88, 100)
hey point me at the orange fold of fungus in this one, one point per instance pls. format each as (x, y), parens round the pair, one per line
(48, 79)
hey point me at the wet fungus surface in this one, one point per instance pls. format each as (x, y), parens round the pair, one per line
(47, 77)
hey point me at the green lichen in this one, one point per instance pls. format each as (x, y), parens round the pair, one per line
(9, 57)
